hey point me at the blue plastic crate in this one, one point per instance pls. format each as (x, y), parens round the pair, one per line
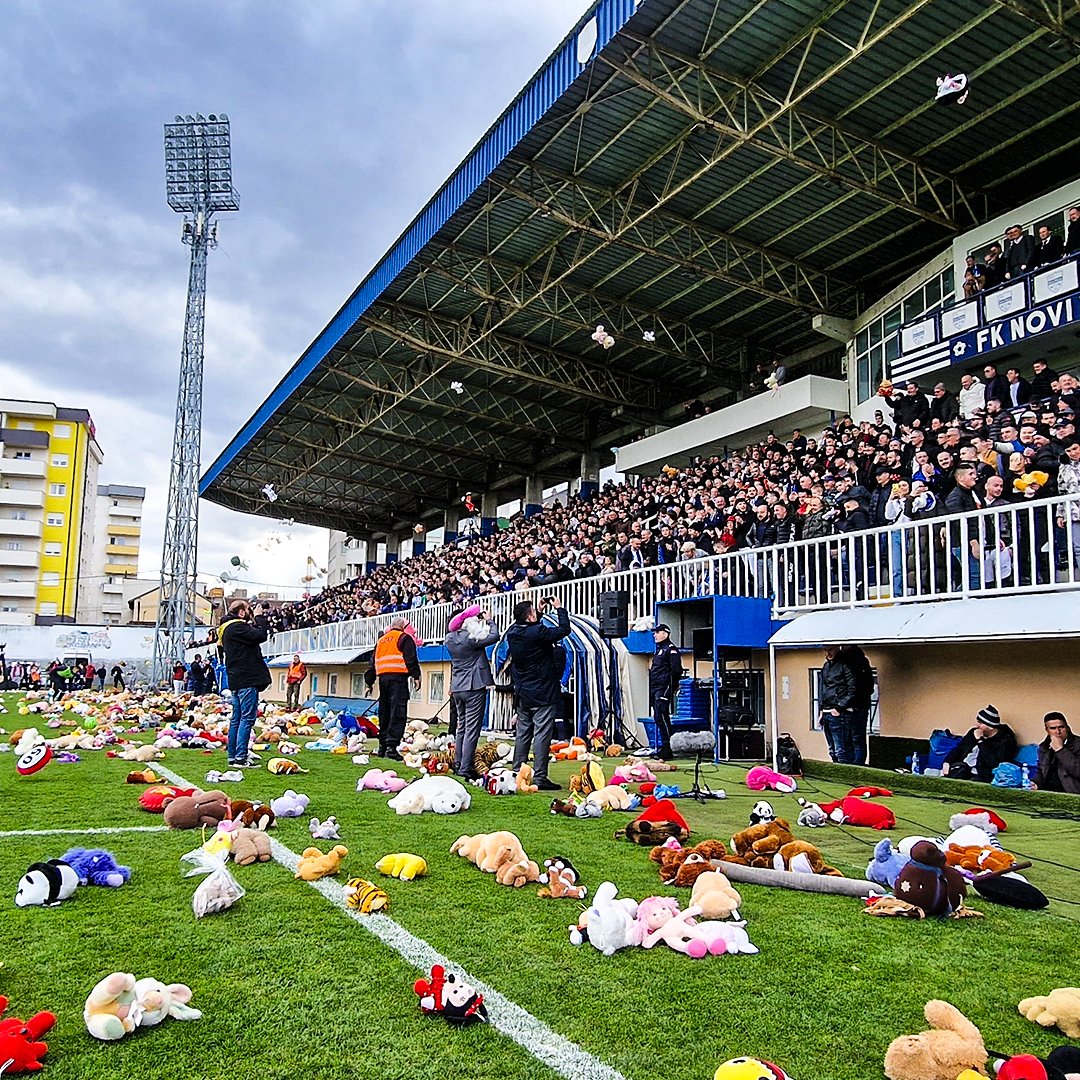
(652, 731)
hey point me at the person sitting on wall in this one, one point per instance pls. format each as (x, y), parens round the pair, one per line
(982, 749)
(1059, 757)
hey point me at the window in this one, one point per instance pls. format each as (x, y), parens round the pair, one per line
(25, 425)
(9, 607)
(48, 608)
(356, 685)
(436, 687)
(314, 685)
(54, 549)
(58, 489)
(17, 515)
(22, 455)
(59, 461)
(331, 681)
(50, 577)
(281, 682)
(61, 431)
(54, 519)
(14, 545)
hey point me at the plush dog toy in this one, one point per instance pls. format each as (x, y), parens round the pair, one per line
(1060, 1008)
(280, 766)
(500, 782)
(524, 781)
(251, 815)
(811, 816)
(365, 897)
(46, 884)
(439, 794)
(952, 1044)
(20, 1047)
(761, 777)
(95, 866)
(560, 880)
(314, 864)
(402, 865)
(290, 804)
(384, 780)
(613, 797)
(250, 846)
(491, 851)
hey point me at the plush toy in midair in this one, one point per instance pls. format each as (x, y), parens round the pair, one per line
(402, 865)
(749, 1069)
(952, 1044)
(560, 880)
(290, 804)
(439, 794)
(853, 810)
(315, 864)
(95, 866)
(46, 884)
(761, 777)
(34, 760)
(447, 995)
(762, 813)
(20, 1047)
(365, 897)
(324, 830)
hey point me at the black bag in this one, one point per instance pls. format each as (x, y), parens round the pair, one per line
(788, 758)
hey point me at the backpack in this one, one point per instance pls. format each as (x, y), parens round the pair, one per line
(788, 758)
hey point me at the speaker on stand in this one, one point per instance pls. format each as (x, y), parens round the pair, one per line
(613, 614)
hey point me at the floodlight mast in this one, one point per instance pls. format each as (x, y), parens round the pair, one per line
(198, 184)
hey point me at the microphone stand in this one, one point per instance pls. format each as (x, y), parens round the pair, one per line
(701, 790)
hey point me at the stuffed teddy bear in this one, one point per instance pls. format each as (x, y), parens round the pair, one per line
(953, 1044)
(612, 797)
(761, 777)
(314, 864)
(439, 794)
(1060, 1008)
(158, 796)
(854, 810)
(681, 866)
(485, 850)
(110, 1012)
(761, 813)
(757, 845)
(289, 804)
(251, 815)
(513, 871)
(402, 865)
(195, 811)
(560, 880)
(95, 866)
(524, 781)
(608, 924)
(20, 1047)
(155, 1001)
(799, 857)
(250, 846)
(715, 896)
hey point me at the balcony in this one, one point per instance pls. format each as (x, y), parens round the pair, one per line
(16, 618)
(22, 467)
(112, 587)
(122, 549)
(18, 588)
(124, 530)
(19, 497)
(809, 402)
(123, 569)
(13, 527)
(30, 558)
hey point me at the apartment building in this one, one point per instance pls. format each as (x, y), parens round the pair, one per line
(114, 562)
(49, 459)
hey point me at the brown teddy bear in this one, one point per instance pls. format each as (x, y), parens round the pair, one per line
(803, 858)
(254, 816)
(485, 850)
(716, 896)
(953, 1044)
(195, 811)
(757, 845)
(1060, 1008)
(249, 846)
(514, 871)
(682, 866)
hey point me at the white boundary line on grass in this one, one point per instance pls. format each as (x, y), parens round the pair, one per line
(83, 832)
(546, 1045)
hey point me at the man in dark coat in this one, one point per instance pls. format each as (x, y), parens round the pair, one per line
(1041, 389)
(856, 659)
(1020, 254)
(1059, 757)
(537, 677)
(836, 693)
(982, 749)
(467, 641)
(240, 637)
(1072, 237)
(1048, 248)
(665, 671)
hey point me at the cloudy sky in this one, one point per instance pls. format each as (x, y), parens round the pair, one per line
(346, 117)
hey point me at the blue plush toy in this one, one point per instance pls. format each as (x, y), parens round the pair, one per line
(667, 791)
(886, 863)
(95, 866)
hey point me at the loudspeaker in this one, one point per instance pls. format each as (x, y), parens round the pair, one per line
(613, 615)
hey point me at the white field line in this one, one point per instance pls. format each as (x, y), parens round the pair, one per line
(546, 1045)
(83, 832)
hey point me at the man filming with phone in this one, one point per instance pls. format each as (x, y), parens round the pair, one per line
(240, 636)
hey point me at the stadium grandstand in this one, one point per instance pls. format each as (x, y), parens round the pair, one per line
(819, 312)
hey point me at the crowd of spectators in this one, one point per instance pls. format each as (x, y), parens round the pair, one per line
(1004, 439)
(1021, 254)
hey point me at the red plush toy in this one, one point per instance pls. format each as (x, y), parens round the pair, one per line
(156, 797)
(852, 810)
(19, 1050)
(869, 792)
(995, 819)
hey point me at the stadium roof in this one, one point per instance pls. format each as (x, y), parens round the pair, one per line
(714, 175)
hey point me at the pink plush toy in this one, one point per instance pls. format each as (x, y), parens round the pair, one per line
(458, 620)
(761, 777)
(385, 780)
(852, 810)
(660, 922)
(633, 774)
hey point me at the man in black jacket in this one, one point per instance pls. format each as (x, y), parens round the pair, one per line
(240, 637)
(1059, 757)
(665, 671)
(982, 749)
(536, 667)
(837, 691)
(1041, 389)
(1048, 248)
(1020, 254)
(1072, 237)
(856, 659)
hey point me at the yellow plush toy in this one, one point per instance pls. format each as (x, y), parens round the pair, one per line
(314, 864)
(365, 897)
(402, 865)
(280, 766)
(1060, 1008)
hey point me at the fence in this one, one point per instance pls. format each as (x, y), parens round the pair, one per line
(1022, 547)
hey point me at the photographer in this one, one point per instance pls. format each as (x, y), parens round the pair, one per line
(240, 636)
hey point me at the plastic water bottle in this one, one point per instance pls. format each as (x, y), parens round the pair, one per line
(916, 767)
(1025, 780)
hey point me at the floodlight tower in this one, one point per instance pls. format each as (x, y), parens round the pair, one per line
(198, 184)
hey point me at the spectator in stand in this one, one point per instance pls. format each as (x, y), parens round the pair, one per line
(964, 535)
(1072, 238)
(1020, 252)
(586, 566)
(972, 395)
(1048, 248)
(631, 557)
(1059, 757)
(1019, 388)
(994, 267)
(945, 405)
(1068, 483)
(977, 271)
(995, 387)
(982, 749)
(1041, 389)
(836, 694)
(910, 409)
(779, 372)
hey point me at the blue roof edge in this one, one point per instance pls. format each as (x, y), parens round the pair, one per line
(520, 117)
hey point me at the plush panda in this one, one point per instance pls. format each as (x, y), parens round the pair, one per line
(762, 813)
(46, 884)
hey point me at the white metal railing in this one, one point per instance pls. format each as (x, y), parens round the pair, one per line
(1021, 547)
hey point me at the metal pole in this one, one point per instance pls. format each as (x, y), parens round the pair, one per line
(774, 718)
